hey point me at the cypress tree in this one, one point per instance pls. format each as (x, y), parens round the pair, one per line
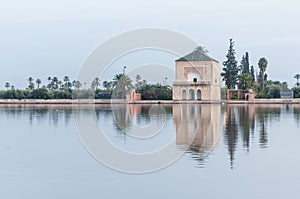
(230, 74)
(252, 74)
(245, 64)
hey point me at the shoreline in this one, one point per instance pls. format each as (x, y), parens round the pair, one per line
(105, 101)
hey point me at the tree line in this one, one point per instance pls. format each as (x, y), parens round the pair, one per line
(243, 76)
(236, 75)
(54, 88)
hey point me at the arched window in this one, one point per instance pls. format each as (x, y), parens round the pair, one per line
(199, 95)
(183, 94)
(191, 94)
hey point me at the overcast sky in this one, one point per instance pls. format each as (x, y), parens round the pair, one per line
(53, 38)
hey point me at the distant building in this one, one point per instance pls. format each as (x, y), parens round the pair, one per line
(198, 77)
(133, 96)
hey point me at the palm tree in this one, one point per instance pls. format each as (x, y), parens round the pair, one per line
(38, 82)
(202, 49)
(138, 78)
(77, 84)
(297, 76)
(263, 64)
(66, 79)
(54, 83)
(95, 83)
(121, 84)
(144, 82)
(165, 81)
(245, 80)
(7, 85)
(31, 85)
(30, 79)
(49, 83)
(59, 84)
(138, 81)
(66, 82)
(107, 85)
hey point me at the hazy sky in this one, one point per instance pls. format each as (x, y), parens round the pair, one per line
(42, 38)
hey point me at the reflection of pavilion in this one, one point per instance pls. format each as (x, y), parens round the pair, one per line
(124, 114)
(198, 127)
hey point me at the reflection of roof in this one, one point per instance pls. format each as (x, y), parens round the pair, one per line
(197, 55)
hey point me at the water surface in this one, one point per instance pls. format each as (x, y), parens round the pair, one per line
(236, 151)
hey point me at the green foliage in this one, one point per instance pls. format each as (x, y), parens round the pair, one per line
(57, 89)
(41, 93)
(262, 65)
(38, 82)
(245, 64)
(297, 77)
(230, 74)
(95, 83)
(296, 91)
(84, 94)
(77, 84)
(7, 85)
(31, 84)
(138, 81)
(121, 84)
(273, 91)
(244, 81)
(19, 94)
(155, 92)
(107, 85)
(252, 72)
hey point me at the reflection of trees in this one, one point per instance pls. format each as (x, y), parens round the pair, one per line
(38, 113)
(121, 116)
(246, 124)
(104, 111)
(296, 114)
(263, 138)
(231, 130)
(265, 115)
(126, 114)
(144, 117)
(244, 121)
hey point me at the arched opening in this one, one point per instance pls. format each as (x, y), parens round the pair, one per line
(192, 76)
(191, 94)
(199, 96)
(183, 94)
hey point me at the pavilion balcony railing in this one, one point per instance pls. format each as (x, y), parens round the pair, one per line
(191, 83)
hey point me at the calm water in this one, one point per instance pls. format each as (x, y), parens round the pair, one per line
(246, 151)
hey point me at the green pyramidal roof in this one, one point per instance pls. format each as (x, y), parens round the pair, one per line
(199, 54)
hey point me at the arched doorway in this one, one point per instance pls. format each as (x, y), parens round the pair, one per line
(199, 95)
(191, 94)
(183, 94)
